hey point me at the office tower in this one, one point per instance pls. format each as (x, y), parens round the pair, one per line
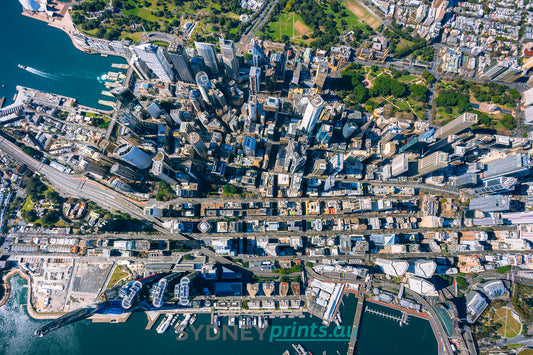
(202, 80)
(255, 80)
(155, 60)
(125, 97)
(311, 114)
(248, 146)
(391, 132)
(511, 74)
(400, 164)
(133, 155)
(197, 65)
(431, 163)
(124, 172)
(459, 124)
(229, 57)
(337, 164)
(514, 165)
(198, 144)
(319, 167)
(349, 128)
(324, 134)
(252, 108)
(196, 101)
(493, 203)
(163, 171)
(180, 60)
(496, 185)
(321, 74)
(208, 53)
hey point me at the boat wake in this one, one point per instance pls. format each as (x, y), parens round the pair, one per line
(41, 73)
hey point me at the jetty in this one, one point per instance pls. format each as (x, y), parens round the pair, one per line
(357, 320)
(120, 66)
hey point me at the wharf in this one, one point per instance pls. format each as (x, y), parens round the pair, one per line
(107, 93)
(110, 318)
(357, 319)
(120, 66)
(106, 103)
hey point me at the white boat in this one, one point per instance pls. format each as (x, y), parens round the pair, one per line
(163, 326)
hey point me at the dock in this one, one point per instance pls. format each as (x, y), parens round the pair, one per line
(120, 66)
(106, 103)
(404, 319)
(107, 93)
(357, 320)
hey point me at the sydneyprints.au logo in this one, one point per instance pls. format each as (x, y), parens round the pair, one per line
(274, 333)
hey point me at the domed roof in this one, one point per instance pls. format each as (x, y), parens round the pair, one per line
(31, 5)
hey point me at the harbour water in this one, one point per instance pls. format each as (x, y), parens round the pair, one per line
(53, 63)
(377, 335)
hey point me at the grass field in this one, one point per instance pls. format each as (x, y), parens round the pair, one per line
(118, 274)
(288, 24)
(363, 14)
(510, 326)
(526, 352)
(28, 205)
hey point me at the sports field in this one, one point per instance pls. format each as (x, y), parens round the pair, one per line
(363, 14)
(289, 24)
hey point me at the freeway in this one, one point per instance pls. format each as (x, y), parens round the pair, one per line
(259, 22)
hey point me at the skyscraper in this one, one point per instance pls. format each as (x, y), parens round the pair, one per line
(459, 124)
(311, 114)
(124, 172)
(321, 74)
(255, 79)
(208, 52)
(431, 163)
(400, 164)
(125, 96)
(202, 80)
(229, 57)
(180, 60)
(198, 144)
(155, 60)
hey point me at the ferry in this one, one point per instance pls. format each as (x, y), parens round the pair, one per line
(21, 66)
(163, 326)
(300, 350)
(180, 329)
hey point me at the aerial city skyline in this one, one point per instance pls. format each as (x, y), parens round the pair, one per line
(300, 176)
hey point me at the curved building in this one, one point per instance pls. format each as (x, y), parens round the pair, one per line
(198, 144)
(202, 80)
(32, 5)
(133, 155)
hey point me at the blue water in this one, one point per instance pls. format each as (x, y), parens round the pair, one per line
(377, 335)
(54, 64)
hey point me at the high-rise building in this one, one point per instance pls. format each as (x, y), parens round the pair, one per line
(125, 97)
(459, 124)
(255, 79)
(311, 114)
(202, 80)
(319, 167)
(124, 172)
(196, 101)
(400, 164)
(208, 53)
(248, 146)
(513, 165)
(349, 128)
(155, 60)
(431, 163)
(180, 60)
(321, 74)
(229, 57)
(163, 171)
(493, 203)
(198, 144)
(133, 155)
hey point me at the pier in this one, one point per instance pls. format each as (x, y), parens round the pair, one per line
(357, 319)
(402, 320)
